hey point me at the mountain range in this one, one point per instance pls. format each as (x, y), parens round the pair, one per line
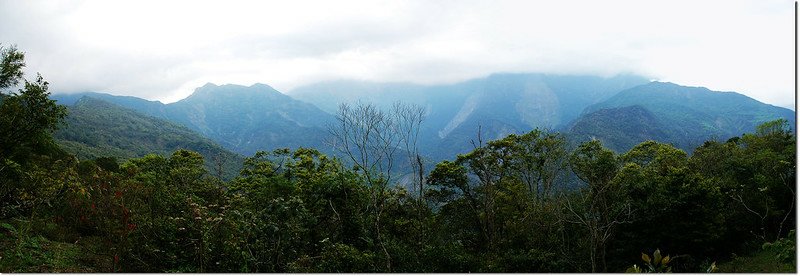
(621, 111)
(680, 115)
(499, 104)
(241, 119)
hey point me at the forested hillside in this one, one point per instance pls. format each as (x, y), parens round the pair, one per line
(680, 115)
(620, 128)
(241, 119)
(527, 202)
(94, 128)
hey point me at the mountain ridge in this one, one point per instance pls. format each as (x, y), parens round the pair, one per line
(456, 111)
(244, 119)
(686, 115)
(258, 117)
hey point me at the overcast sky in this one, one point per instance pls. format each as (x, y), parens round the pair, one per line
(163, 50)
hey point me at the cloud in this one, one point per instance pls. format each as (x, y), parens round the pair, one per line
(163, 50)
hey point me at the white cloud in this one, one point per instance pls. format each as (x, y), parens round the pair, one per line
(164, 49)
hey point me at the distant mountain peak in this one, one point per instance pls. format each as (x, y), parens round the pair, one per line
(665, 83)
(263, 86)
(257, 85)
(88, 99)
(675, 86)
(211, 92)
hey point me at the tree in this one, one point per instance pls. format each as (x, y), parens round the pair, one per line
(370, 138)
(538, 159)
(28, 116)
(367, 137)
(601, 206)
(295, 207)
(755, 173)
(673, 207)
(11, 63)
(766, 190)
(27, 119)
(453, 188)
(772, 149)
(409, 119)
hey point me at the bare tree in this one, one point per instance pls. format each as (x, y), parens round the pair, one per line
(408, 119)
(367, 137)
(370, 138)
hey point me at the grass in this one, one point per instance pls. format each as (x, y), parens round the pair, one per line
(762, 261)
(22, 251)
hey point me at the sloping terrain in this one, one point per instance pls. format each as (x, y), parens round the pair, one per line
(95, 128)
(680, 115)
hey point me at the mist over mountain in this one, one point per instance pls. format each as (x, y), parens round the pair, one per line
(621, 111)
(537, 98)
(499, 104)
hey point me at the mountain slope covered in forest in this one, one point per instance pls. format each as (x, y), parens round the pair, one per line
(681, 115)
(95, 128)
(240, 118)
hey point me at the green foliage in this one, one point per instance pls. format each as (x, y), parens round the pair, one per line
(340, 258)
(11, 63)
(500, 198)
(775, 257)
(656, 264)
(301, 211)
(30, 163)
(784, 248)
(755, 174)
(537, 160)
(505, 206)
(620, 128)
(682, 116)
(31, 117)
(673, 206)
(99, 129)
(594, 164)
(602, 205)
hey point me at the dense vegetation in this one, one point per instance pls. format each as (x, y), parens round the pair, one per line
(523, 203)
(94, 128)
(240, 118)
(679, 115)
(619, 128)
